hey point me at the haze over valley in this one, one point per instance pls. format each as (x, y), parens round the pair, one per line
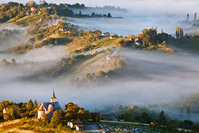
(106, 56)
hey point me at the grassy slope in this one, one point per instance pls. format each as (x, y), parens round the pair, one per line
(91, 64)
(191, 44)
(74, 47)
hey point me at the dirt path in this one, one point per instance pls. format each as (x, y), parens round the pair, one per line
(16, 130)
(10, 126)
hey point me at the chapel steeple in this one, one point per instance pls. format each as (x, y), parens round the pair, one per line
(53, 98)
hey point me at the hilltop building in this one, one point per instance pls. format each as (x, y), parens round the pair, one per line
(48, 108)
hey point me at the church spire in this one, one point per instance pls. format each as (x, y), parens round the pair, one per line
(53, 94)
(53, 98)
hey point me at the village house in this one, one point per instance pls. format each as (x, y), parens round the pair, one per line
(94, 52)
(48, 108)
(170, 36)
(6, 109)
(132, 107)
(108, 57)
(33, 9)
(129, 42)
(139, 35)
(137, 41)
(78, 125)
(106, 34)
(61, 29)
(112, 37)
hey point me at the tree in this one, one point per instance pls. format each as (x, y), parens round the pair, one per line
(195, 16)
(145, 118)
(162, 30)
(80, 12)
(162, 119)
(57, 118)
(149, 37)
(35, 105)
(128, 117)
(81, 113)
(29, 105)
(93, 14)
(172, 126)
(156, 29)
(74, 112)
(71, 111)
(187, 16)
(181, 32)
(5, 104)
(177, 32)
(10, 115)
(195, 128)
(109, 15)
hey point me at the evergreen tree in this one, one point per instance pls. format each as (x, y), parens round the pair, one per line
(187, 16)
(156, 29)
(109, 15)
(162, 30)
(29, 105)
(181, 32)
(80, 12)
(162, 119)
(177, 32)
(195, 16)
(35, 105)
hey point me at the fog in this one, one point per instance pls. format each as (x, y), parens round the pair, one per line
(147, 77)
(139, 15)
(18, 37)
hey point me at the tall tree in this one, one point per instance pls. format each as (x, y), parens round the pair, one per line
(156, 29)
(195, 16)
(35, 105)
(187, 16)
(177, 32)
(109, 15)
(29, 105)
(162, 30)
(162, 119)
(181, 33)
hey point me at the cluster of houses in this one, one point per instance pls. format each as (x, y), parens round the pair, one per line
(78, 125)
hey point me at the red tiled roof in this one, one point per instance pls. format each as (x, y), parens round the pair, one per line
(169, 35)
(79, 125)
